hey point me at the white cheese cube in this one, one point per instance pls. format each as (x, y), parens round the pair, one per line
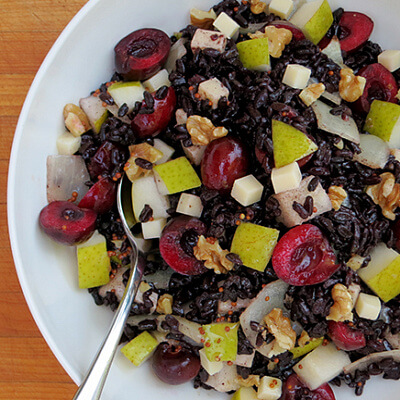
(226, 25)
(153, 229)
(390, 59)
(194, 153)
(165, 149)
(286, 178)
(321, 365)
(247, 190)
(181, 116)
(296, 76)
(156, 81)
(203, 39)
(68, 144)
(368, 306)
(189, 204)
(212, 367)
(281, 8)
(270, 388)
(213, 90)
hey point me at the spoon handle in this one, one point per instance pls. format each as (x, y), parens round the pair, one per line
(93, 383)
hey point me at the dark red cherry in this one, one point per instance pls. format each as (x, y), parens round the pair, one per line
(294, 389)
(175, 364)
(141, 54)
(297, 33)
(396, 234)
(224, 161)
(100, 197)
(67, 223)
(345, 337)
(150, 125)
(303, 256)
(380, 85)
(177, 240)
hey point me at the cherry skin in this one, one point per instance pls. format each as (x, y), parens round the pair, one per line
(345, 337)
(303, 256)
(67, 223)
(175, 364)
(177, 240)
(141, 54)
(396, 233)
(100, 197)
(294, 389)
(297, 33)
(150, 125)
(224, 161)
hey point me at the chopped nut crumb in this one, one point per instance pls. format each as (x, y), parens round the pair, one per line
(251, 380)
(278, 38)
(75, 119)
(209, 251)
(395, 153)
(202, 130)
(304, 339)
(312, 93)
(202, 19)
(164, 304)
(280, 326)
(355, 262)
(257, 6)
(337, 195)
(343, 304)
(351, 87)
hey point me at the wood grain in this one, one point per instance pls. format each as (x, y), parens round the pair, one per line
(28, 369)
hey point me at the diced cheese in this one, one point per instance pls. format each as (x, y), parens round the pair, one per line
(226, 25)
(211, 367)
(156, 81)
(153, 229)
(368, 306)
(296, 76)
(286, 178)
(281, 8)
(270, 388)
(213, 90)
(165, 149)
(68, 144)
(390, 59)
(247, 190)
(189, 204)
(203, 39)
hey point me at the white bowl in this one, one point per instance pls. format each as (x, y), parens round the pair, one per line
(79, 61)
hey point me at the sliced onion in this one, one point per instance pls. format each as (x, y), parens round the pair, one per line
(334, 52)
(244, 360)
(394, 340)
(178, 50)
(114, 111)
(65, 175)
(116, 284)
(225, 306)
(160, 279)
(252, 28)
(270, 297)
(224, 380)
(363, 363)
(374, 151)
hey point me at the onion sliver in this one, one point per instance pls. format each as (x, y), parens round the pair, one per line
(374, 151)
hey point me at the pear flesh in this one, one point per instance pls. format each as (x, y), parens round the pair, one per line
(254, 54)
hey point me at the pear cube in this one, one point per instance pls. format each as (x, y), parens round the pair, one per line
(281, 8)
(176, 176)
(93, 262)
(68, 144)
(221, 340)
(126, 93)
(301, 351)
(390, 59)
(166, 150)
(290, 144)
(296, 76)
(314, 19)
(212, 367)
(383, 120)
(139, 349)
(254, 54)
(254, 244)
(245, 393)
(95, 110)
(270, 388)
(161, 78)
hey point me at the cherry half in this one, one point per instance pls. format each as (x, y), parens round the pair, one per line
(100, 197)
(177, 240)
(303, 256)
(225, 160)
(141, 54)
(396, 234)
(294, 389)
(67, 223)
(345, 337)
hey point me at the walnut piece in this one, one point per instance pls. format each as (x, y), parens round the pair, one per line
(386, 194)
(164, 304)
(355, 262)
(75, 119)
(278, 38)
(280, 326)
(304, 339)
(257, 6)
(202, 19)
(337, 195)
(209, 251)
(202, 130)
(351, 87)
(342, 307)
(144, 151)
(250, 381)
(312, 93)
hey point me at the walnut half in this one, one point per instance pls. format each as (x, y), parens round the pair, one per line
(202, 19)
(202, 131)
(343, 304)
(337, 195)
(257, 6)
(278, 38)
(280, 326)
(351, 87)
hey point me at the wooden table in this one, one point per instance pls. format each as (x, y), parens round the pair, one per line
(28, 369)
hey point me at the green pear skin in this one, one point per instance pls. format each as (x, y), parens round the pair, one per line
(254, 54)
(139, 349)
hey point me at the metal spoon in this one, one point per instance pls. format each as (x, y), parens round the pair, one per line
(94, 381)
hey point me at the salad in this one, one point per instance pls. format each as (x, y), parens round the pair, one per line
(261, 143)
